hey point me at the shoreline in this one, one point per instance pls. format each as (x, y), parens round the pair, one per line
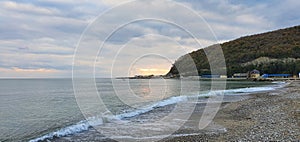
(227, 119)
(267, 116)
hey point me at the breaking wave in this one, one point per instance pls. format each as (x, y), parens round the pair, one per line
(95, 121)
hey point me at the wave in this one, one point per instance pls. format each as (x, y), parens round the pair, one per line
(249, 90)
(73, 129)
(162, 103)
(96, 121)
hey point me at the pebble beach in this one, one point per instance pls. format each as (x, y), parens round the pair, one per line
(268, 116)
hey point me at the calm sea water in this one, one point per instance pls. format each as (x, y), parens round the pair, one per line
(35, 109)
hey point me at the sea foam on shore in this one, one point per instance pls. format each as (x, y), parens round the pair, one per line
(84, 125)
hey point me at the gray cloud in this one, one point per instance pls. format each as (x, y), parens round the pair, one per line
(42, 34)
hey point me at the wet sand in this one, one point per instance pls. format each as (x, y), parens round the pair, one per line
(270, 116)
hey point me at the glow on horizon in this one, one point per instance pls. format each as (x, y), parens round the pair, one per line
(40, 70)
(153, 71)
(149, 71)
(17, 72)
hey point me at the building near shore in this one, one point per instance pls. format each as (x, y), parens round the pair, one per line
(276, 75)
(210, 76)
(240, 75)
(254, 74)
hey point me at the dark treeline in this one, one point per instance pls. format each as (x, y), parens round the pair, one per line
(281, 47)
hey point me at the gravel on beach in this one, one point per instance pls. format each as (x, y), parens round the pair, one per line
(269, 116)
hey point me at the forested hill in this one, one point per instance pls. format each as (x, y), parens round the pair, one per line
(272, 52)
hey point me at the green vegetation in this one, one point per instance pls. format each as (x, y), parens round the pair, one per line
(271, 52)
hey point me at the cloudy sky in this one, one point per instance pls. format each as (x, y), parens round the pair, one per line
(45, 38)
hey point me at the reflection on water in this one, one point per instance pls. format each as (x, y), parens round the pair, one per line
(34, 107)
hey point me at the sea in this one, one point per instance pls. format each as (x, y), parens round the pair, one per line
(120, 109)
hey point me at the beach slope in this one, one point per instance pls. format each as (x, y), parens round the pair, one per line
(269, 116)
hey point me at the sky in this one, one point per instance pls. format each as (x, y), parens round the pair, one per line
(109, 38)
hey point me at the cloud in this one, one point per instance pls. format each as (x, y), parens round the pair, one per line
(42, 34)
(20, 7)
(114, 2)
(148, 51)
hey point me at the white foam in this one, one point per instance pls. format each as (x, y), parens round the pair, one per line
(169, 101)
(177, 99)
(250, 90)
(95, 121)
(278, 82)
(78, 127)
